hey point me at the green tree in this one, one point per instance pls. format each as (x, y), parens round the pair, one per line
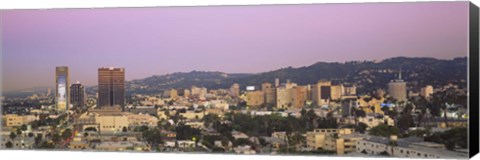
(327, 123)
(455, 137)
(152, 136)
(210, 118)
(360, 127)
(24, 127)
(13, 135)
(141, 129)
(19, 131)
(405, 121)
(384, 130)
(30, 135)
(9, 144)
(185, 132)
(34, 125)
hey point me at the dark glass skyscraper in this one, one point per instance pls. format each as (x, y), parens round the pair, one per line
(78, 96)
(111, 87)
(62, 91)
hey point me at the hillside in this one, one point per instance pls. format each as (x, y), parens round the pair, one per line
(367, 75)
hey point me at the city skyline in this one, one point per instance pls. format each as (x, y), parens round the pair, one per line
(153, 74)
(216, 39)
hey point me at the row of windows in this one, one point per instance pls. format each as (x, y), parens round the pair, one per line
(112, 127)
(408, 152)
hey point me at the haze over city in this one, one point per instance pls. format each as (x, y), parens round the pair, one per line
(233, 39)
(350, 80)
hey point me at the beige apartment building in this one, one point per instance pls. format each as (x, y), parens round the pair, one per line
(13, 120)
(191, 115)
(254, 98)
(299, 96)
(339, 140)
(111, 123)
(269, 93)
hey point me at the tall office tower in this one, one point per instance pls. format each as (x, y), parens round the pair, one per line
(111, 87)
(78, 97)
(62, 92)
(277, 82)
(269, 93)
(398, 88)
(235, 90)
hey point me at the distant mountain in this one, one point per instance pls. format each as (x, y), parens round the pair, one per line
(26, 92)
(367, 75)
(154, 84)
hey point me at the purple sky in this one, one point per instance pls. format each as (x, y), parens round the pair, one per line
(153, 41)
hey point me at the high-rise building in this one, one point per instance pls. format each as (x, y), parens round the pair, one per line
(277, 82)
(171, 93)
(398, 88)
(321, 92)
(426, 91)
(254, 98)
(235, 90)
(111, 87)
(199, 92)
(186, 93)
(284, 98)
(78, 96)
(336, 91)
(299, 96)
(269, 93)
(62, 91)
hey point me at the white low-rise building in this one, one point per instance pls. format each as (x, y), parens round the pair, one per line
(405, 148)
